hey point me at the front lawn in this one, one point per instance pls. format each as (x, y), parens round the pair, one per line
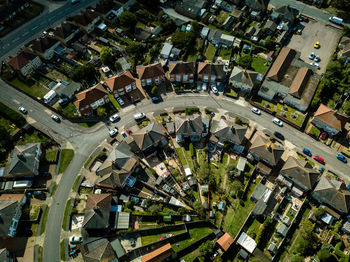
(210, 52)
(51, 156)
(225, 53)
(114, 101)
(153, 238)
(69, 110)
(262, 102)
(315, 131)
(30, 87)
(291, 114)
(230, 92)
(66, 156)
(221, 18)
(260, 65)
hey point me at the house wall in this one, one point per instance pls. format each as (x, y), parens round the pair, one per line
(183, 78)
(152, 81)
(125, 89)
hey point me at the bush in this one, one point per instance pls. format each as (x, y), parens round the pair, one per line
(191, 110)
(204, 192)
(191, 150)
(154, 91)
(12, 115)
(245, 61)
(208, 111)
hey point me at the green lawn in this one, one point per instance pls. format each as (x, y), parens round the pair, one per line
(299, 120)
(254, 228)
(185, 157)
(34, 212)
(210, 52)
(195, 234)
(66, 156)
(225, 53)
(69, 110)
(191, 256)
(315, 131)
(140, 25)
(237, 214)
(88, 161)
(30, 87)
(53, 190)
(191, 57)
(221, 18)
(260, 65)
(76, 181)
(114, 101)
(51, 156)
(262, 102)
(32, 136)
(63, 250)
(230, 92)
(7, 124)
(153, 238)
(44, 219)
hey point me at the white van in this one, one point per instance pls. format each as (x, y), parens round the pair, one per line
(336, 20)
(49, 96)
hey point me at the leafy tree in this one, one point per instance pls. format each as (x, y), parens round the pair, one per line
(236, 187)
(154, 209)
(325, 256)
(319, 213)
(269, 43)
(118, 67)
(5, 143)
(106, 55)
(182, 210)
(341, 4)
(206, 248)
(169, 25)
(128, 20)
(182, 39)
(154, 91)
(195, 25)
(204, 172)
(101, 112)
(198, 208)
(84, 73)
(308, 241)
(135, 49)
(217, 259)
(346, 107)
(297, 258)
(245, 61)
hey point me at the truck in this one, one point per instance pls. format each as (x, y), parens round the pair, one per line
(336, 20)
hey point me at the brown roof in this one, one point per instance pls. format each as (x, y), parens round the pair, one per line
(104, 6)
(90, 95)
(225, 241)
(120, 81)
(98, 201)
(65, 30)
(15, 197)
(20, 60)
(281, 64)
(150, 71)
(85, 17)
(331, 117)
(159, 254)
(181, 68)
(43, 43)
(299, 82)
(208, 68)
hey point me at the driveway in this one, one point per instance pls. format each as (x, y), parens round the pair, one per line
(316, 31)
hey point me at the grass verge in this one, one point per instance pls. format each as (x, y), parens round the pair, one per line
(66, 211)
(44, 219)
(40, 254)
(88, 161)
(63, 250)
(53, 190)
(76, 183)
(66, 157)
(51, 156)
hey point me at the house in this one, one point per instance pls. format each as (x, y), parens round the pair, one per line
(329, 120)
(261, 196)
(227, 132)
(226, 40)
(247, 242)
(244, 80)
(300, 173)
(332, 193)
(214, 36)
(65, 32)
(192, 127)
(161, 254)
(151, 74)
(266, 151)
(86, 20)
(227, 25)
(147, 139)
(118, 248)
(90, 99)
(10, 213)
(237, 14)
(181, 72)
(285, 13)
(282, 230)
(44, 46)
(116, 170)
(204, 33)
(24, 162)
(281, 64)
(190, 8)
(225, 242)
(210, 73)
(270, 27)
(25, 62)
(98, 249)
(109, 10)
(257, 5)
(121, 84)
(166, 50)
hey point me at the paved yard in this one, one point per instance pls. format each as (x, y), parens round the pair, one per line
(316, 31)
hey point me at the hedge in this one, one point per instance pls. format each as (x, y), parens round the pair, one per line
(12, 115)
(191, 110)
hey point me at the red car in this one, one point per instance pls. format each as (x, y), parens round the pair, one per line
(128, 131)
(324, 135)
(318, 159)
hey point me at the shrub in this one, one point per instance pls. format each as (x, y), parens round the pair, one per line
(191, 110)
(208, 111)
(154, 91)
(191, 150)
(12, 115)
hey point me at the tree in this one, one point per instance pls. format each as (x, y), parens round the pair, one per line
(236, 187)
(325, 256)
(118, 67)
(245, 61)
(346, 107)
(194, 25)
(182, 39)
(308, 240)
(84, 73)
(169, 25)
(297, 258)
(199, 209)
(135, 49)
(128, 21)
(5, 143)
(204, 172)
(319, 213)
(106, 55)
(269, 43)
(154, 91)
(182, 210)
(101, 112)
(154, 209)
(343, 5)
(206, 248)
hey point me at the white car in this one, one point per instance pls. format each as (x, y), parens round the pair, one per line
(55, 117)
(114, 118)
(204, 86)
(75, 240)
(214, 89)
(124, 134)
(315, 65)
(139, 116)
(277, 121)
(120, 101)
(22, 110)
(312, 56)
(256, 111)
(317, 58)
(227, 63)
(113, 132)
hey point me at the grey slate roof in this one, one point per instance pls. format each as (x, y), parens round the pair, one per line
(148, 136)
(287, 13)
(227, 131)
(245, 79)
(8, 209)
(192, 124)
(267, 150)
(118, 248)
(97, 211)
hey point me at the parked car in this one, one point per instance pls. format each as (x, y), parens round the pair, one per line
(139, 116)
(120, 101)
(312, 56)
(114, 117)
(55, 118)
(307, 152)
(22, 110)
(315, 65)
(113, 132)
(214, 89)
(128, 131)
(279, 135)
(317, 58)
(317, 45)
(156, 99)
(324, 135)
(277, 121)
(318, 159)
(124, 135)
(342, 158)
(256, 111)
(63, 101)
(75, 240)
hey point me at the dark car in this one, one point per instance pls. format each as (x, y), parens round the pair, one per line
(342, 158)
(156, 99)
(63, 101)
(307, 152)
(279, 135)
(324, 135)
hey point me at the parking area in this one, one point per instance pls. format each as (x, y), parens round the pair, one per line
(316, 31)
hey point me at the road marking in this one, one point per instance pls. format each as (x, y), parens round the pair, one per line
(16, 101)
(25, 33)
(35, 27)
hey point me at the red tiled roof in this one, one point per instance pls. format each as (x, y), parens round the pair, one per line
(150, 71)
(181, 68)
(90, 95)
(159, 254)
(120, 81)
(331, 117)
(21, 60)
(281, 64)
(225, 241)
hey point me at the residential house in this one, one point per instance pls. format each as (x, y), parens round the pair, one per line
(121, 84)
(214, 36)
(227, 40)
(151, 74)
(300, 173)
(226, 131)
(10, 9)
(281, 64)
(147, 139)
(25, 62)
(116, 171)
(285, 13)
(161, 254)
(227, 25)
(90, 99)
(190, 8)
(257, 5)
(44, 46)
(300, 81)
(237, 14)
(24, 162)
(244, 80)
(333, 193)
(266, 151)
(205, 32)
(10, 213)
(65, 32)
(270, 27)
(86, 20)
(210, 73)
(225, 242)
(109, 10)
(98, 249)
(166, 50)
(247, 243)
(329, 120)
(261, 196)
(181, 72)
(192, 127)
